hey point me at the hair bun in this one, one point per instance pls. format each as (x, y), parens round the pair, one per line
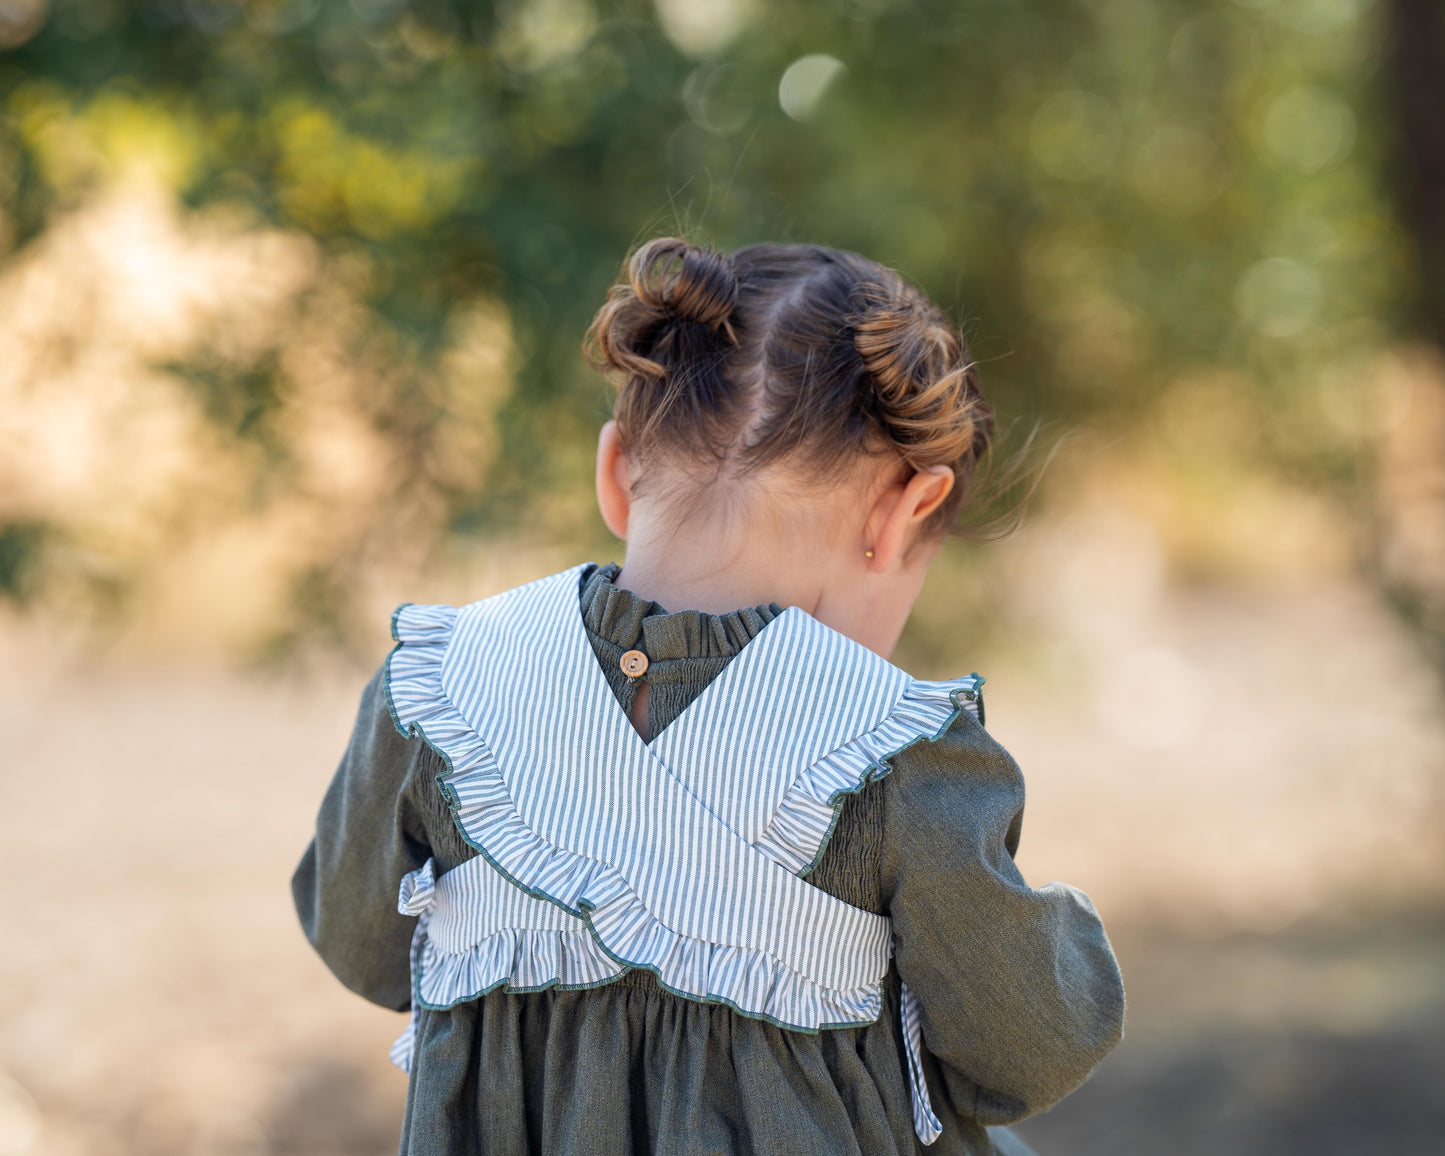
(887, 338)
(927, 389)
(684, 282)
(666, 332)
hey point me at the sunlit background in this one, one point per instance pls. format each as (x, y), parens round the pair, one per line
(291, 294)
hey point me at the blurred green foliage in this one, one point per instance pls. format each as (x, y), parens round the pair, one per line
(1113, 196)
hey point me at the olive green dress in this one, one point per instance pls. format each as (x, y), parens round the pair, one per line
(1020, 992)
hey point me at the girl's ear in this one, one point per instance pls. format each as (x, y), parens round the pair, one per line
(902, 506)
(614, 481)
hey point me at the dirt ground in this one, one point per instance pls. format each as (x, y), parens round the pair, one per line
(1260, 829)
(1326, 1041)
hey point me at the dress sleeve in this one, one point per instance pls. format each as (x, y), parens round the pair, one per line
(369, 833)
(1020, 992)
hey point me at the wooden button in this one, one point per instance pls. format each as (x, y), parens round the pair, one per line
(634, 664)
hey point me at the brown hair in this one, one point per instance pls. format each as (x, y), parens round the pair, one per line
(781, 350)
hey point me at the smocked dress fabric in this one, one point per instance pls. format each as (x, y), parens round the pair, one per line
(628, 1066)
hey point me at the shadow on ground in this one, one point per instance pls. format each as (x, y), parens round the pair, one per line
(1313, 1042)
(1262, 1095)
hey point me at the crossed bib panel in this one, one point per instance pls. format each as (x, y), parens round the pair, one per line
(600, 852)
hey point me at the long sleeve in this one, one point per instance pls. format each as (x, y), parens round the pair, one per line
(369, 833)
(1020, 993)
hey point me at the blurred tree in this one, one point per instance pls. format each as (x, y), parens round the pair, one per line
(1117, 197)
(1408, 537)
(1417, 63)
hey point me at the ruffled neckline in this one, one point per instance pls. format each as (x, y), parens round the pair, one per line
(623, 620)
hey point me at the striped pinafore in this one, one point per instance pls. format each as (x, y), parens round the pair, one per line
(600, 852)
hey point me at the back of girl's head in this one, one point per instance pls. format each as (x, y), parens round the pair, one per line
(786, 355)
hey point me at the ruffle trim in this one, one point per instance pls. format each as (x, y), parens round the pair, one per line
(523, 960)
(516, 959)
(520, 960)
(800, 829)
(621, 928)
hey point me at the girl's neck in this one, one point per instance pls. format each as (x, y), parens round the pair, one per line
(680, 584)
(793, 544)
(697, 566)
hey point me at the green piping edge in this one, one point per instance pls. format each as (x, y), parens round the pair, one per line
(416, 730)
(883, 766)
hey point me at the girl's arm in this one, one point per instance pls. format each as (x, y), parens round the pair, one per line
(1020, 992)
(369, 834)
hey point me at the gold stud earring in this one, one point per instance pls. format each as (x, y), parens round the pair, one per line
(867, 553)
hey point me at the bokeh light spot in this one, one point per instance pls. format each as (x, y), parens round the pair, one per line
(541, 33)
(718, 98)
(703, 27)
(1309, 128)
(805, 82)
(1278, 296)
(20, 20)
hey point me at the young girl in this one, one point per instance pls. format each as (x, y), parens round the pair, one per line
(716, 878)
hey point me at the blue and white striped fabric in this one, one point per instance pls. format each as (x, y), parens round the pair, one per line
(600, 852)
(926, 1125)
(808, 690)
